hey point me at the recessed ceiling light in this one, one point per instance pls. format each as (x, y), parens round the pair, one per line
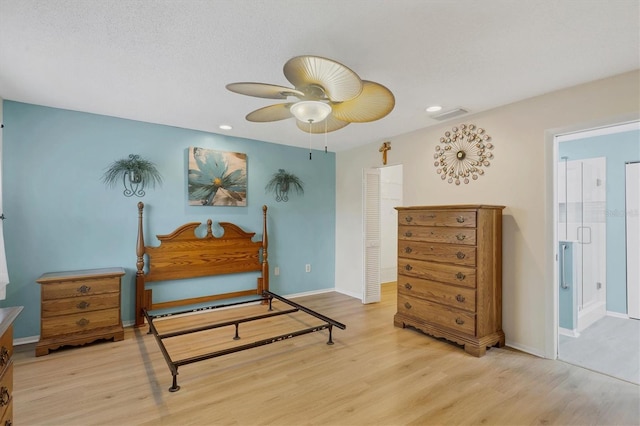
(434, 108)
(225, 127)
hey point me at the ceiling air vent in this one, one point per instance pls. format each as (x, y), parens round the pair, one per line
(449, 114)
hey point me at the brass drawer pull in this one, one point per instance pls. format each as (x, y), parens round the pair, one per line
(459, 321)
(408, 234)
(82, 322)
(460, 255)
(460, 276)
(460, 219)
(407, 305)
(5, 397)
(408, 218)
(4, 356)
(408, 249)
(408, 286)
(84, 289)
(461, 237)
(460, 298)
(408, 267)
(83, 305)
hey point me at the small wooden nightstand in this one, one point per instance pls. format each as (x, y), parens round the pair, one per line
(79, 307)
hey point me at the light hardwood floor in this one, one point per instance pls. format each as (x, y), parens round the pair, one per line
(375, 374)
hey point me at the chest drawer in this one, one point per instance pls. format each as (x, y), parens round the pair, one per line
(434, 234)
(57, 307)
(434, 252)
(451, 274)
(465, 219)
(457, 297)
(80, 288)
(453, 319)
(79, 323)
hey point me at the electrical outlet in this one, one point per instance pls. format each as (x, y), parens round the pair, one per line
(307, 267)
(276, 271)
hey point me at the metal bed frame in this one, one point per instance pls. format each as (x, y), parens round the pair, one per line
(182, 254)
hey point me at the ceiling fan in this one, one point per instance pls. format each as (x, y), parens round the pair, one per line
(330, 96)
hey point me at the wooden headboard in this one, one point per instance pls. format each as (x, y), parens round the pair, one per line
(182, 254)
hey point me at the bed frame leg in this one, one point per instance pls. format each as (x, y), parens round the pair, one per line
(270, 303)
(174, 387)
(330, 342)
(236, 337)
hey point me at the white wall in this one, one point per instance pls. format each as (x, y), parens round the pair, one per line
(520, 177)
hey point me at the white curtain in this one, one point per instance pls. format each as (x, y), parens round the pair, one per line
(4, 272)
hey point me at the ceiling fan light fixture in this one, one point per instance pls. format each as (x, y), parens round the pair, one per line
(310, 111)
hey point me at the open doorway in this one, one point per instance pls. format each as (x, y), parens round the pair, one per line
(382, 191)
(595, 330)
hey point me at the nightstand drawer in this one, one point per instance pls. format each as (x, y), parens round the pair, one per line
(78, 323)
(440, 315)
(79, 288)
(465, 219)
(434, 252)
(451, 274)
(6, 348)
(457, 297)
(6, 389)
(434, 234)
(58, 307)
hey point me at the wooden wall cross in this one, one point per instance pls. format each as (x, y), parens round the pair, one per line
(386, 146)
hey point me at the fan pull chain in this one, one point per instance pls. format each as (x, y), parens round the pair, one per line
(325, 135)
(310, 121)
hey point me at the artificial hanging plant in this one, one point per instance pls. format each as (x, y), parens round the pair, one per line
(136, 173)
(281, 182)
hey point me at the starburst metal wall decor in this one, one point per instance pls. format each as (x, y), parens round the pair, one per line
(462, 154)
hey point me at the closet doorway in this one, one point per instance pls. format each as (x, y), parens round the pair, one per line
(382, 190)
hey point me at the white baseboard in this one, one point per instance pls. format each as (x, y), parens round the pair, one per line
(568, 332)
(617, 315)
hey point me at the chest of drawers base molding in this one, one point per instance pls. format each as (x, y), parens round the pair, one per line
(79, 307)
(450, 274)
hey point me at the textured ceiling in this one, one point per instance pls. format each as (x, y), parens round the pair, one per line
(168, 62)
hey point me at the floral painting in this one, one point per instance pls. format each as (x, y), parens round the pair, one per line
(217, 178)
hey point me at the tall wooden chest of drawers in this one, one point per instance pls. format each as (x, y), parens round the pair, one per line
(7, 317)
(450, 273)
(79, 307)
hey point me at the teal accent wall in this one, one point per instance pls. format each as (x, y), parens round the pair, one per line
(618, 148)
(61, 217)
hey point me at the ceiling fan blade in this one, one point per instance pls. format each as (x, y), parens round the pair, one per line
(329, 124)
(375, 102)
(263, 90)
(270, 113)
(314, 75)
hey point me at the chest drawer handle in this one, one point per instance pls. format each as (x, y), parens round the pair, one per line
(461, 237)
(407, 305)
(408, 234)
(460, 298)
(459, 321)
(4, 356)
(408, 286)
(460, 255)
(84, 289)
(408, 267)
(82, 322)
(5, 397)
(460, 276)
(460, 219)
(408, 249)
(83, 305)
(408, 218)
